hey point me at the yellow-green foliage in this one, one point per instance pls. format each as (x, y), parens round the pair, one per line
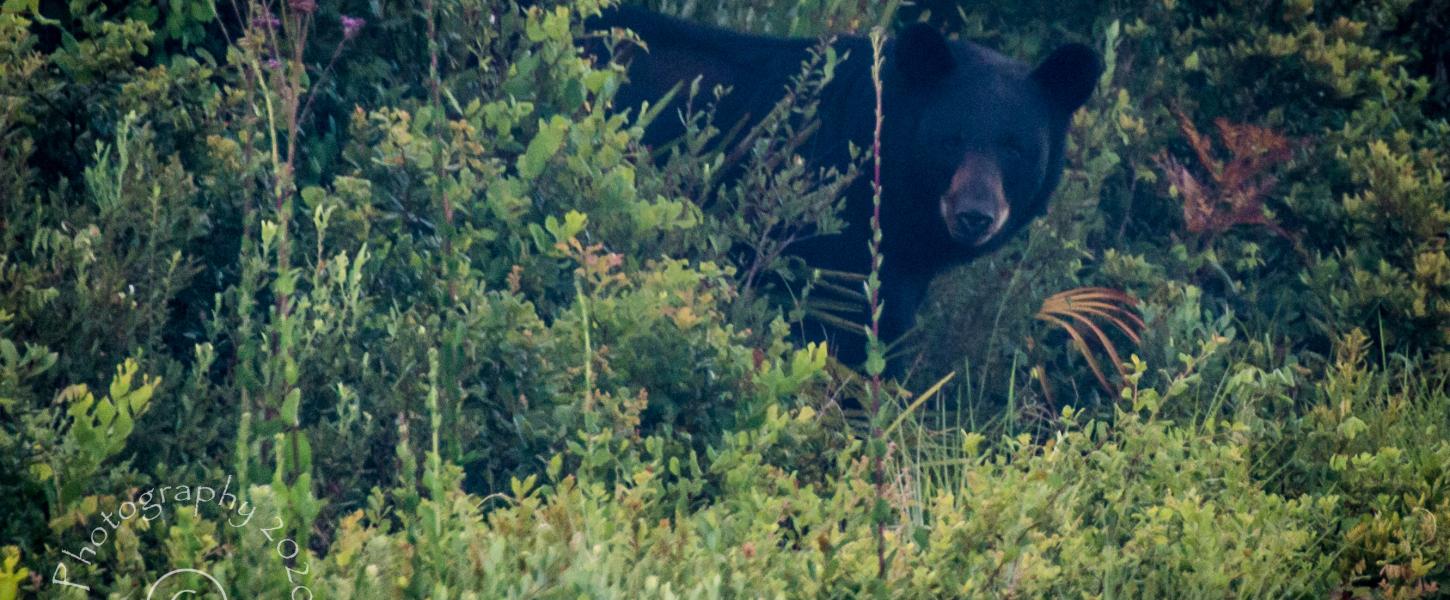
(442, 327)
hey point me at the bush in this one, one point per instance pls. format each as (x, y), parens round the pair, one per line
(400, 283)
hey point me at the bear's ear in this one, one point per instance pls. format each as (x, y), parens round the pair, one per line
(1068, 76)
(922, 54)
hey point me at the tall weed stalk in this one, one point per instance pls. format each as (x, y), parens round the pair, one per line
(876, 352)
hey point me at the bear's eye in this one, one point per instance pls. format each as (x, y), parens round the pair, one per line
(954, 141)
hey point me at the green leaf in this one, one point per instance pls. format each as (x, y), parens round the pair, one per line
(1352, 427)
(20, 7)
(289, 406)
(543, 147)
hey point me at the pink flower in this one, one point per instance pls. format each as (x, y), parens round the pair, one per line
(303, 6)
(351, 25)
(265, 21)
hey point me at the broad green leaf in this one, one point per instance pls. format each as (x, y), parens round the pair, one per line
(543, 147)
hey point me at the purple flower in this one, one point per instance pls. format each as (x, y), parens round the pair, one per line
(351, 25)
(266, 21)
(303, 6)
(272, 64)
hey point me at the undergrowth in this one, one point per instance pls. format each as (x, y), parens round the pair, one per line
(387, 300)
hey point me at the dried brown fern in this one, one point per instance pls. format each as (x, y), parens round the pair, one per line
(1236, 188)
(1084, 313)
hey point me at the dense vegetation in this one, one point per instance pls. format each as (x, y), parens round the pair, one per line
(399, 287)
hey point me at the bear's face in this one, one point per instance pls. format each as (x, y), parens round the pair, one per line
(987, 139)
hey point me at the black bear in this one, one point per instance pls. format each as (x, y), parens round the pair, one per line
(972, 141)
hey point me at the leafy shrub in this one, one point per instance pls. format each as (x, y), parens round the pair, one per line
(401, 279)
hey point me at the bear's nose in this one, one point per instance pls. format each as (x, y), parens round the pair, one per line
(973, 224)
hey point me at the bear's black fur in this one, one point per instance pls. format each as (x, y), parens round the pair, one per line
(972, 141)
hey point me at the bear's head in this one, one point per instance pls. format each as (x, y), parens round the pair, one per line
(982, 137)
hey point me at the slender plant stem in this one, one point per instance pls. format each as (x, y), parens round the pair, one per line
(875, 352)
(440, 190)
